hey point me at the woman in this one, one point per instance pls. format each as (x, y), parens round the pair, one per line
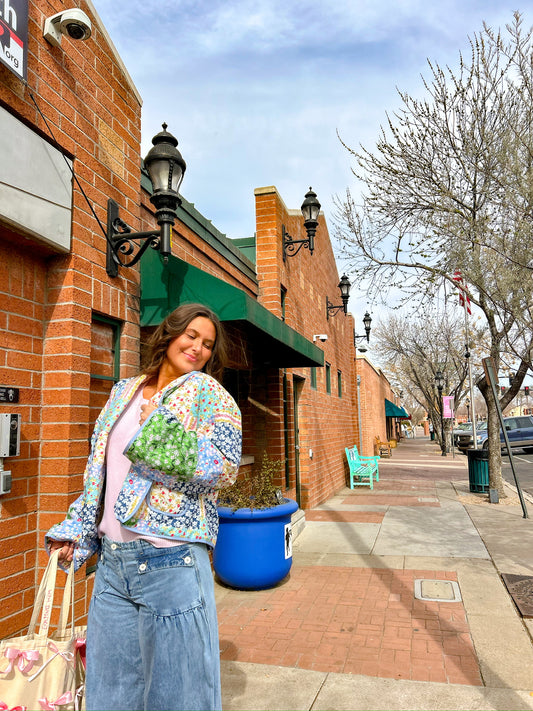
(163, 445)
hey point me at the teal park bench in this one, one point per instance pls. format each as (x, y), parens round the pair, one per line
(363, 470)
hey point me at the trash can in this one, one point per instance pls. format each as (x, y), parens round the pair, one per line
(478, 469)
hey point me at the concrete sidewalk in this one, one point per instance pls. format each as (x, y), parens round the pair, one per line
(394, 601)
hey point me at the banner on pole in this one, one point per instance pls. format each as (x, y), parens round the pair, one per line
(447, 406)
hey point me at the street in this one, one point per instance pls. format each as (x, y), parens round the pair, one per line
(523, 464)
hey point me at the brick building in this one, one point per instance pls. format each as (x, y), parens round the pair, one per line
(380, 411)
(296, 392)
(323, 398)
(71, 140)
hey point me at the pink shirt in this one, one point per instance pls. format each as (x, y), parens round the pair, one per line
(117, 468)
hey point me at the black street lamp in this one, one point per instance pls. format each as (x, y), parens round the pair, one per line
(344, 287)
(367, 320)
(439, 382)
(467, 403)
(310, 210)
(166, 168)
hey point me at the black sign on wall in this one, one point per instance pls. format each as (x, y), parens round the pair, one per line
(8, 394)
(14, 36)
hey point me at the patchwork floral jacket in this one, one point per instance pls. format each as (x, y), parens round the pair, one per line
(187, 449)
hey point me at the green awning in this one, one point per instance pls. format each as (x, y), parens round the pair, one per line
(392, 410)
(164, 287)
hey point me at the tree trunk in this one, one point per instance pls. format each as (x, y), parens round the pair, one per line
(493, 432)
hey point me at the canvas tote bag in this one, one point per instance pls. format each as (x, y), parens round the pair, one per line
(43, 671)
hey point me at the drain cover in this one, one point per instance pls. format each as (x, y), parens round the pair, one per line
(437, 590)
(520, 588)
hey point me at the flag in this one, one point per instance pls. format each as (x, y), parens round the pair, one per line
(463, 296)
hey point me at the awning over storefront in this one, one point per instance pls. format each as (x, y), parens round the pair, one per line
(164, 287)
(392, 410)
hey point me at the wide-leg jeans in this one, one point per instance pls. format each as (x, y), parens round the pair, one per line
(152, 634)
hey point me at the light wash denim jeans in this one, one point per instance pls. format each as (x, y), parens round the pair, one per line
(152, 634)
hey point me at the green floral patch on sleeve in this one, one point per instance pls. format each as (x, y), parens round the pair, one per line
(165, 445)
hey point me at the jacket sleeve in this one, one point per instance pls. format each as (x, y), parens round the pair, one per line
(70, 529)
(200, 445)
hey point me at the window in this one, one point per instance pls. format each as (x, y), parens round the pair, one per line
(105, 360)
(313, 378)
(328, 378)
(105, 369)
(339, 383)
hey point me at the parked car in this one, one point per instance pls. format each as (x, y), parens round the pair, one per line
(519, 433)
(461, 428)
(465, 439)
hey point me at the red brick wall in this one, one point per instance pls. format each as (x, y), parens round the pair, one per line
(48, 302)
(21, 348)
(327, 423)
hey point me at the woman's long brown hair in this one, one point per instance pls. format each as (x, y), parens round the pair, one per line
(174, 325)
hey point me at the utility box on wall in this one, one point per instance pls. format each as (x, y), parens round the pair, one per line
(9, 435)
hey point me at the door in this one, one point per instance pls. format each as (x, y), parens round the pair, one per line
(297, 390)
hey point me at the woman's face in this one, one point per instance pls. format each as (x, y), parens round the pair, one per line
(192, 349)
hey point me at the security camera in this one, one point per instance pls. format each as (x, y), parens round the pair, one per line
(74, 23)
(320, 337)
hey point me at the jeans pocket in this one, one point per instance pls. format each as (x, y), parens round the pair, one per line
(169, 581)
(101, 583)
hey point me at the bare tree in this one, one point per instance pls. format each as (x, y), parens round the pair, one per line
(450, 187)
(414, 350)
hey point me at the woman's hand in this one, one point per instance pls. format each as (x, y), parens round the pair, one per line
(146, 410)
(65, 548)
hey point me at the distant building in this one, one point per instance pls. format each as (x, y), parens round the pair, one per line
(380, 411)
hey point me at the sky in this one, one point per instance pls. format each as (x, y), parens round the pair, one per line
(258, 93)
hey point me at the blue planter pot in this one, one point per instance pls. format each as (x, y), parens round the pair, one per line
(254, 547)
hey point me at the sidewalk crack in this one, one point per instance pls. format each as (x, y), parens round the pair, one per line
(318, 692)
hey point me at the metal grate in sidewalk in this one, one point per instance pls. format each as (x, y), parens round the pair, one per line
(520, 588)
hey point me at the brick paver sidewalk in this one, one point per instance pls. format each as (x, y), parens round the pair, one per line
(351, 620)
(359, 620)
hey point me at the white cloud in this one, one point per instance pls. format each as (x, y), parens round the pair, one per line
(256, 91)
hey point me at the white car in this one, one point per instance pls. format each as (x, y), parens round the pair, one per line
(461, 428)
(465, 439)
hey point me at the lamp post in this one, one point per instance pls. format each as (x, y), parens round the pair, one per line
(439, 382)
(467, 403)
(310, 210)
(166, 168)
(367, 320)
(344, 287)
